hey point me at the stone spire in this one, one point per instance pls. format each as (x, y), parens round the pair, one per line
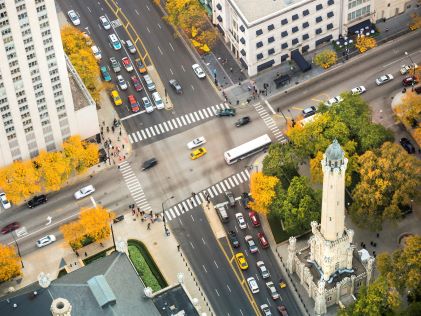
(334, 166)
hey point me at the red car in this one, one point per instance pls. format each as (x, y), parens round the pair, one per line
(133, 103)
(9, 228)
(136, 83)
(254, 219)
(263, 240)
(409, 81)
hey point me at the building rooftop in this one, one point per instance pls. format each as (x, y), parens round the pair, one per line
(255, 10)
(173, 301)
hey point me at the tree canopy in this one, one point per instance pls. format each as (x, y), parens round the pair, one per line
(262, 189)
(364, 43)
(10, 265)
(53, 168)
(81, 155)
(325, 58)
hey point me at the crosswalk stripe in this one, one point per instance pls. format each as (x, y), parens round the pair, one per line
(214, 190)
(138, 135)
(192, 117)
(161, 128)
(235, 180)
(197, 199)
(135, 138)
(184, 205)
(140, 199)
(202, 115)
(248, 173)
(219, 188)
(197, 116)
(202, 197)
(188, 119)
(227, 184)
(179, 121)
(170, 125)
(143, 134)
(244, 176)
(214, 109)
(217, 106)
(147, 132)
(130, 139)
(176, 210)
(210, 112)
(232, 183)
(168, 215)
(183, 120)
(222, 186)
(174, 123)
(157, 129)
(181, 208)
(210, 192)
(166, 126)
(172, 212)
(193, 202)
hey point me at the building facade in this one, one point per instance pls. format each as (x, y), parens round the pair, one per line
(330, 268)
(264, 33)
(36, 104)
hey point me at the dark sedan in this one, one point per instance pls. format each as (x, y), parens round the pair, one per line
(9, 228)
(407, 145)
(149, 163)
(409, 81)
(243, 121)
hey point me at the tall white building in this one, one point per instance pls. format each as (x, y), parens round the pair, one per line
(36, 104)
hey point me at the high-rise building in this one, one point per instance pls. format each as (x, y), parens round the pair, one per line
(36, 104)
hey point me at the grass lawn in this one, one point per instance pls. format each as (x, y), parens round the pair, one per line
(278, 233)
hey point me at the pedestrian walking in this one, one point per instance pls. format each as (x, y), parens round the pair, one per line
(108, 129)
(112, 128)
(230, 69)
(133, 212)
(178, 247)
(86, 254)
(149, 226)
(138, 209)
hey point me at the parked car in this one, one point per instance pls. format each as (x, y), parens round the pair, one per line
(262, 269)
(254, 288)
(105, 74)
(37, 200)
(140, 66)
(97, 52)
(282, 284)
(310, 111)
(265, 310)
(121, 82)
(282, 310)
(104, 22)
(407, 145)
(176, 86)
(130, 47)
(4, 201)
(137, 84)
(84, 192)
(147, 104)
(44, 241)
(149, 163)
(254, 219)
(272, 290)
(150, 85)
(383, 79)
(116, 97)
(159, 103)
(406, 68)
(241, 261)
(73, 17)
(225, 112)
(242, 121)
(250, 242)
(198, 71)
(115, 65)
(358, 90)
(409, 81)
(195, 154)
(127, 64)
(241, 222)
(232, 235)
(134, 105)
(334, 100)
(199, 141)
(10, 227)
(263, 240)
(230, 198)
(245, 199)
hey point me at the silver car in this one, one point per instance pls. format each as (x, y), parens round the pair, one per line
(44, 241)
(73, 17)
(85, 191)
(383, 79)
(104, 22)
(4, 202)
(263, 270)
(121, 82)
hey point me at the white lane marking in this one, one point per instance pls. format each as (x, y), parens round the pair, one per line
(210, 112)
(230, 181)
(135, 10)
(228, 288)
(135, 138)
(217, 293)
(227, 184)
(204, 268)
(191, 245)
(179, 219)
(182, 67)
(161, 128)
(148, 8)
(219, 189)
(174, 122)
(147, 28)
(235, 180)
(160, 50)
(185, 206)
(201, 115)
(192, 217)
(172, 212)
(223, 186)
(179, 121)
(215, 264)
(157, 130)
(130, 139)
(203, 241)
(159, 25)
(89, 9)
(172, 47)
(166, 127)
(147, 132)
(192, 117)
(171, 71)
(192, 87)
(214, 190)
(187, 118)
(170, 125)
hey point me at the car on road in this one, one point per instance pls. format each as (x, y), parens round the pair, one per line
(127, 64)
(105, 74)
(407, 145)
(241, 222)
(358, 90)
(242, 121)
(409, 81)
(230, 198)
(44, 241)
(334, 100)
(140, 66)
(84, 192)
(4, 201)
(263, 240)
(130, 47)
(104, 22)
(250, 242)
(254, 288)
(310, 111)
(114, 41)
(232, 235)
(195, 154)
(241, 261)
(121, 82)
(176, 86)
(222, 213)
(73, 17)
(96, 52)
(136, 83)
(10, 227)
(406, 68)
(134, 105)
(147, 104)
(282, 310)
(254, 219)
(383, 79)
(115, 65)
(272, 290)
(116, 97)
(149, 163)
(37, 200)
(262, 269)
(282, 284)
(225, 112)
(159, 103)
(198, 71)
(199, 141)
(265, 310)
(149, 83)
(245, 200)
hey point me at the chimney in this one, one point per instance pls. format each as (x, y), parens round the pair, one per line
(61, 307)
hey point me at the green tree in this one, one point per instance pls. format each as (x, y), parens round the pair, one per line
(389, 180)
(325, 58)
(372, 136)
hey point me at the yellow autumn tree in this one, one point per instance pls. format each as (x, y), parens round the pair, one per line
(73, 233)
(73, 40)
(262, 189)
(20, 180)
(409, 108)
(365, 43)
(325, 58)
(96, 222)
(415, 22)
(53, 168)
(10, 265)
(81, 155)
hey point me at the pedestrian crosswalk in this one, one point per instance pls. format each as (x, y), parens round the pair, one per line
(134, 186)
(270, 123)
(215, 190)
(175, 123)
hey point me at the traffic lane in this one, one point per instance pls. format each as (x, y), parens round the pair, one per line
(224, 292)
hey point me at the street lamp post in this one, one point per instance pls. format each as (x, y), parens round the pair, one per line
(17, 246)
(412, 62)
(163, 215)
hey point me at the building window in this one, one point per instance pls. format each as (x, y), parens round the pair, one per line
(318, 31)
(295, 41)
(329, 26)
(284, 21)
(330, 2)
(243, 52)
(271, 51)
(284, 45)
(259, 32)
(259, 56)
(319, 7)
(271, 39)
(284, 34)
(305, 37)
(284, 57)
(319, 19)
(295, 29)
(329, 14)
(259, 44)
(242, 29)
(219, 6)
(305, 25)
(271, 27)
(242, 40)
(295, 17)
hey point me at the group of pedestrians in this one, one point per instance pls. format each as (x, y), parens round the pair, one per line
(114, 151)
(150, 218)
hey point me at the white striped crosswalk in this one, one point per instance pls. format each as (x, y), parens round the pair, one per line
(218, 188)
(175, 123)
(270, 123)
(134, 186)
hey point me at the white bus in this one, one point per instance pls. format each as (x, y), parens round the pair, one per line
(247, 149)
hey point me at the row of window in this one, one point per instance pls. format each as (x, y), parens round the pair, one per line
(358, 13)
(354, 3)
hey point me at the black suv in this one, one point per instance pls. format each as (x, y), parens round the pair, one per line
(245, 199)
(176, 86)
(233, 239)
(149, 163)
(37, 200)
(407, 145)
(243, 121)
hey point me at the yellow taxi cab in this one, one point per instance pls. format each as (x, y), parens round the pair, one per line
(140, 66)
(282, 284)
(241, 261)
(116, 97)
(198, 153)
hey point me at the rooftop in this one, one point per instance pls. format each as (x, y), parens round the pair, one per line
(173, 301)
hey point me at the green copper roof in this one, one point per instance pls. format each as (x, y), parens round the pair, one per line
(334, 151)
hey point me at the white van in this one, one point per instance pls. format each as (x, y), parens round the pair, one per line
(114, 41)
(158, 101)
(130, 46)
(97, 52)
(149, 83)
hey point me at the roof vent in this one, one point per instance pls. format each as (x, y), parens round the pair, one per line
(61, 307)
(101, 290)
